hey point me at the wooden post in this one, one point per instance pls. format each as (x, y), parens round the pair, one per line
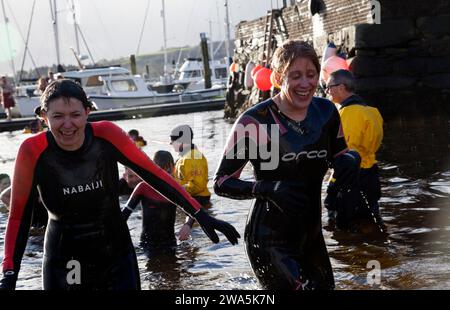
(206, 68)
(133, 64)
(147, 69)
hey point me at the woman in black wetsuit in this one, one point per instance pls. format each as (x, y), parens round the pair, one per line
(73, 167)
(158, 214)
(290, 140)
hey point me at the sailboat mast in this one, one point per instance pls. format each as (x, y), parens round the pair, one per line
(13, 67)
(77, 41)
(227, 31)
(163, 15)
(54, 12)
(211, 47)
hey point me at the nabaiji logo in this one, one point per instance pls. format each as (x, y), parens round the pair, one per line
(82, 188)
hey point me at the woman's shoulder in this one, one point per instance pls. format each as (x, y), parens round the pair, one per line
(257, 113)
(35, 142)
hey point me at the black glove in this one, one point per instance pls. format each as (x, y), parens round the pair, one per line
(330, 200)
(209, 224)
(8, 282)
(126, 212)
(286, 195)
(346, 170)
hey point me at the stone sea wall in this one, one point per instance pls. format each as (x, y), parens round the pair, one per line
(400, 56)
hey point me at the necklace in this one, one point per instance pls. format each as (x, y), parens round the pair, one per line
(297, 126)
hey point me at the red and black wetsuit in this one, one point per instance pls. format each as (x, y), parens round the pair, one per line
(80, 192)
(158, 218)
(285, 246)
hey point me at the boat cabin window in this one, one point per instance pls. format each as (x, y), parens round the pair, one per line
(221, 73)
(94, 81)
(192, 74)
(123, 85)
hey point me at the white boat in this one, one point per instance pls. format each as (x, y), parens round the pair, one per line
(116, 88)
(192, 72)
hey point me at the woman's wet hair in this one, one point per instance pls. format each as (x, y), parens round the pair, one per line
(62, 89)
(289, 51)
(164, 159)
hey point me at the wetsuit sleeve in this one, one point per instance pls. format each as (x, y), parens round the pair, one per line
(338, 146)
(23, 196)
(234, 159)
(135, 197)
(128, 154)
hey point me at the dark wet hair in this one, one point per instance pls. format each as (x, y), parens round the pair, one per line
(4, 176)
(63, 89)
(133, 132)
(163, 159)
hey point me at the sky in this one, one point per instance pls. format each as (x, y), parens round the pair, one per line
(112, 28)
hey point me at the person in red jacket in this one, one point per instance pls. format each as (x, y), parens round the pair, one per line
(74, 169)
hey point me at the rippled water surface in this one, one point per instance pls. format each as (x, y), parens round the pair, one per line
(415, 170)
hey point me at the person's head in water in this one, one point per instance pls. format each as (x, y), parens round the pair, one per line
(296, 69)
(65, 109)
(133, 134)
(181, 138)
(341, 85)
(5, 181)
(164, 160)
(131, 178)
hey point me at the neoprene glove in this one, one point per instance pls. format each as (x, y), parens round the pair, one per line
(210, 224)
(126, 212)
(286, 195)
(346, 170)
(8, 282)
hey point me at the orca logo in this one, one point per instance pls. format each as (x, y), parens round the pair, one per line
(305, 155)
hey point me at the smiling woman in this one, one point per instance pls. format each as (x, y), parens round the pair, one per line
(74, 166)
(304, 137)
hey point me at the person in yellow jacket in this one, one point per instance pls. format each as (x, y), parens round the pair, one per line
(191, 171)
(363, 131)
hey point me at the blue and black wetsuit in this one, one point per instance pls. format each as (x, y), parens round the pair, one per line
(285, 245)
(80, 192)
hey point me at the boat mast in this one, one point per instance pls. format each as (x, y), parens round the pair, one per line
(227, 31)
(13, 67)
(54, 13)
(163, 15)
(75, 24)
(211, 47)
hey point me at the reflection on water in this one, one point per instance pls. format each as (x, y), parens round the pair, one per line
(415, 171)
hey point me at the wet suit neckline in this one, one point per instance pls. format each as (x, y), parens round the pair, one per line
(298, 126)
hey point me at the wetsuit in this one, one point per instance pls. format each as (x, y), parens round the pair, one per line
(80, 192)
(285, 244)
(158, 217)
(363, 129)
(124, 189)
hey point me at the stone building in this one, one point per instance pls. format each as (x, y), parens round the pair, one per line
(399, 49)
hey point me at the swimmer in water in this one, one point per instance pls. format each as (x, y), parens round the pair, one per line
(74, 169)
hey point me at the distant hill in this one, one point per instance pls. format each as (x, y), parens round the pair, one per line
(154, 61)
